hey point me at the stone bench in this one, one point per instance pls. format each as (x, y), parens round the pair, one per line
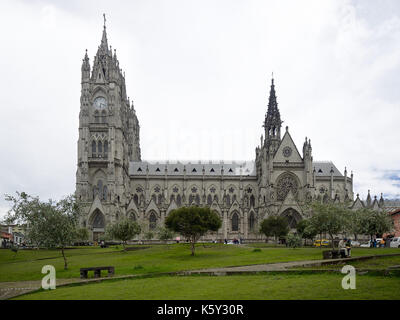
(97, 271)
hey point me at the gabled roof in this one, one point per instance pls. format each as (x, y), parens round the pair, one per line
(287, 141)
(323, 168)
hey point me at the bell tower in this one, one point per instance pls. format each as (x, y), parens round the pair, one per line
(108, 136)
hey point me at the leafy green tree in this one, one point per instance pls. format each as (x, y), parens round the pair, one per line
(375, 222)
(123, 230)
(306, 230)
(293, 240)
(149, 235)
(165, 234)
(274, 226)
(355, 222)
(193, 222)
(81, 235)
(329, 218)
(309, 232)
(48, 224)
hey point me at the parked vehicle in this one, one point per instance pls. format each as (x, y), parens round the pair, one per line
(366, 245)
(355, 243)
(395, 243)
(321, 243)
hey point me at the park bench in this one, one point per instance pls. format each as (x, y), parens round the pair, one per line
(97, 271)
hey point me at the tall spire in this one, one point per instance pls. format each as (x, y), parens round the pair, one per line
(273, 121)
(104, 42)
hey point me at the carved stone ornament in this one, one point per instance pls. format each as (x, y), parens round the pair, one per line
(287, 152)
(285, 184)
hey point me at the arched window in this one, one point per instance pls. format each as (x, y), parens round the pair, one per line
(96, 117)
(246, 201)
(197, 199)
(100, 188)
(105, 193)
(152, 221)
(209, 200)
(94, 145)
(228, 200)
(178, 200)
(234, 198)
(160, 199)
(105, 148)
(98, 220)
(132, 216)
(252, 201)
(100, 147)
(251, 222)
(235, 222)
(136, 199)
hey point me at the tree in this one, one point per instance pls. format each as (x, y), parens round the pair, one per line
(293, 240)
(375, 222)
(149, 235)
(48, 224)
(165, 234)
(329, 218)
(193, 222)
(81, 235)
(123, 230)
(306, 230)
(355, 222)
(275, 226)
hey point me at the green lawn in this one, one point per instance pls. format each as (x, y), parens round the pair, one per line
(27, 264)
(250, 287)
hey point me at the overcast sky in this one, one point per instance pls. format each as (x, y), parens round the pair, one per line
(199, 73)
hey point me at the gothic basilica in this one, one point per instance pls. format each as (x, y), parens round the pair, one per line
(114, 182)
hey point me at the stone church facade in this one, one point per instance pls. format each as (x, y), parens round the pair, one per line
(114, 182)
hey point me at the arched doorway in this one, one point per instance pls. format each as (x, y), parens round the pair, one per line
(292, 216)
(97, 223)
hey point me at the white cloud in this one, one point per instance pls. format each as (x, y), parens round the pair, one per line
(199, 73)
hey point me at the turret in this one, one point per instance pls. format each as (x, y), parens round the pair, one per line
(85, 68)
(369, 200)
(381, 202)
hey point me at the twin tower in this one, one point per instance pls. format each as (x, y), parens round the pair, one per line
(113, 182)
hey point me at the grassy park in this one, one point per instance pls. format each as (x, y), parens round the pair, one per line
(150, 260)
(248, 287)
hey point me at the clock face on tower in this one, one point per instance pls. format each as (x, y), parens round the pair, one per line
(100, 103)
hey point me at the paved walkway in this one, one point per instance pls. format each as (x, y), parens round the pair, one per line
(281, 266)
